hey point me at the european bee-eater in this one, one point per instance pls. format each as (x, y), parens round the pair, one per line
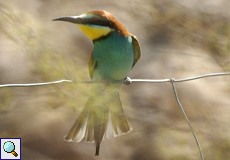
(115, 52)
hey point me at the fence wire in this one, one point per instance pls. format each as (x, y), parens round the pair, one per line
(128, 81)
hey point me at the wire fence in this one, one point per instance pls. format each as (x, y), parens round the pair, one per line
(128, 81)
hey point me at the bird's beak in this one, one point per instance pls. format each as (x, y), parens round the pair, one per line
(72, 19)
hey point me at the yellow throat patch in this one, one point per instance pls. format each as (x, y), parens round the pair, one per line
(94, 32)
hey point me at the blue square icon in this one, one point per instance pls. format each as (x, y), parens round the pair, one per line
(10, 148)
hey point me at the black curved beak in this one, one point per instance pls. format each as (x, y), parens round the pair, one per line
(72, 19)
(85, 21)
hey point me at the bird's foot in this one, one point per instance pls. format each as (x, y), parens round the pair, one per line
(127, 81)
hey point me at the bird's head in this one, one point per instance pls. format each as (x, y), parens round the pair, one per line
(96, 24)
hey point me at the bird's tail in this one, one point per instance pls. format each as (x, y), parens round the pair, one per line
(102, 117)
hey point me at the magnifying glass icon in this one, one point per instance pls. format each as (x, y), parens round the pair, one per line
(9, 147)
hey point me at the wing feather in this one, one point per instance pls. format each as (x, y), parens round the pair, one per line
(136, 49)
(92, 66)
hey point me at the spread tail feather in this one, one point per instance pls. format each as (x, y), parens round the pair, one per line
(102, 117)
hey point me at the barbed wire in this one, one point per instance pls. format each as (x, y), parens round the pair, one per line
(128, 81)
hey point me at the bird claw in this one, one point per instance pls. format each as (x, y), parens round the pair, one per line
(127, 81)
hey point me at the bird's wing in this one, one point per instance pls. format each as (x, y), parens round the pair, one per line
(92, 65)
(136, 49)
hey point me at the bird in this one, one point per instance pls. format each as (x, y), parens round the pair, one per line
(115, 52)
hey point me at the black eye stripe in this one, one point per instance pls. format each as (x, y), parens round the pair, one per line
(97, 21)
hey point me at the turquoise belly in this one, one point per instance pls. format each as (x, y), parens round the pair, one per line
(114, 57)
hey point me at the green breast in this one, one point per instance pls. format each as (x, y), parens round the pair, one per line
(114, 57)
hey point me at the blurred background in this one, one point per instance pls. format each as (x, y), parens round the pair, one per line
(179, 39)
